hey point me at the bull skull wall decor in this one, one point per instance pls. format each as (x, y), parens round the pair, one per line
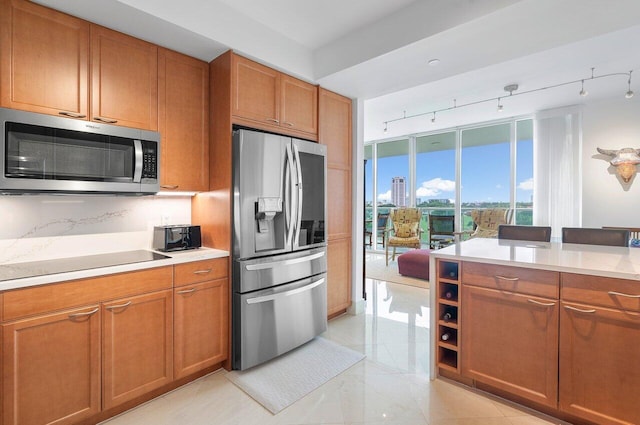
(624, 160)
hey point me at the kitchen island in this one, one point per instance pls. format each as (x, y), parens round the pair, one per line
(552, 326)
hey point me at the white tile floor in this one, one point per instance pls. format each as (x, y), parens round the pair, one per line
(391, 386)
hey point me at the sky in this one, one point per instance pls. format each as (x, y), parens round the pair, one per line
(485, 174)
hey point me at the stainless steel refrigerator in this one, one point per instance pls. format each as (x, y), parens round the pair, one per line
(279, 245)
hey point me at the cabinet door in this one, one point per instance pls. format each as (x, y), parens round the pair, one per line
(298, 105)
(137, 346)
(51, 368)
(124, 80)
(183, 92)
(44, 63)
(338, 275)
(510, 342)
(255, 91)
(599, 368)
(338, 203)
(201, 326)
(335, 128)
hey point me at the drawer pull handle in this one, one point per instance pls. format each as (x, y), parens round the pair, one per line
(623, 295)
(540, 303)
(86, 313)
(105, 120)
(290, 124)
(71, 114)
(169, 186)
(510, 279)
(568, 307)
(187, 291)
(202, 271)
(273, 120)
(114, 307)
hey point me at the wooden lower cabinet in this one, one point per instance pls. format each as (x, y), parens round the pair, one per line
(51, 368)
(338, 275)
(137, 346)
(599, 368)
(200, 326)
(510, 342)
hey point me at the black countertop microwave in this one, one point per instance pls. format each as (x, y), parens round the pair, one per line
(48, 154)
(176, 237)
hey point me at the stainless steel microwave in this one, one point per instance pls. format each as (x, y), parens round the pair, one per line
(48, 154)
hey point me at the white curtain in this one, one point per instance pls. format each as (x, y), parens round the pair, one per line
(557, 181)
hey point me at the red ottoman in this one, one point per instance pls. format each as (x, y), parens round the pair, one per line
(414, 263)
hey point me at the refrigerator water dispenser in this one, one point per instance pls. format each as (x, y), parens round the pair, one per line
(267, 209)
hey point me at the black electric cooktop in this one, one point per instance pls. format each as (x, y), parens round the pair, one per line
(72, 264)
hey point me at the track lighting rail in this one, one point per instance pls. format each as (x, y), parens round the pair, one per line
(511, 88)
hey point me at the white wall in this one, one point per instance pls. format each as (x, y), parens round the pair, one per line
(609, 124)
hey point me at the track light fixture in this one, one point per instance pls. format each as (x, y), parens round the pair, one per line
(583, 92)
(513, 87)
(629, 93)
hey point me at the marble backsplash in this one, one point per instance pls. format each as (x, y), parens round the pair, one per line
(40, 227)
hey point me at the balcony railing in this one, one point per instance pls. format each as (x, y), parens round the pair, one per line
(523, 215)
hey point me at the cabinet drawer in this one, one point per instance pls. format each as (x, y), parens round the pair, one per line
(201, 271)
(541, 283)
(601, 291)
(45, 298)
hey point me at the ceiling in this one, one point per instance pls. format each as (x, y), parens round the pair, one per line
(377, 50)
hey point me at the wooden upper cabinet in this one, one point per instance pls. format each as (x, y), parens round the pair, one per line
(124, 80)
(44, 60)
(298, 104)
(255, 91)
(264, 98)
(335, 128)
(183, 94)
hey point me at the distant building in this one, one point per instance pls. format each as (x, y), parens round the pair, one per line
(399, 191)
(439, 201)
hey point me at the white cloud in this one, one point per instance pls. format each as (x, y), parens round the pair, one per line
(386, 196)
(526, 185)
(435, 187)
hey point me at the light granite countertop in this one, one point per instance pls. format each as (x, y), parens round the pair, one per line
(176, 257)
(607, 261)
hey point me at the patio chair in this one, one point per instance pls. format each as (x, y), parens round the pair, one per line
(404, 231)
(486, 222)
(381, 230)
(441, 228)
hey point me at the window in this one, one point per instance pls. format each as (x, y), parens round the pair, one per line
(495, 170)
(435, 177)
(392, 174)
(485, 169)
(524, 172)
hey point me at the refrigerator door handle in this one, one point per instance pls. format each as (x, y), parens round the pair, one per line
(274, 264)
(289, 193)
(299, 194)
(272, 297)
